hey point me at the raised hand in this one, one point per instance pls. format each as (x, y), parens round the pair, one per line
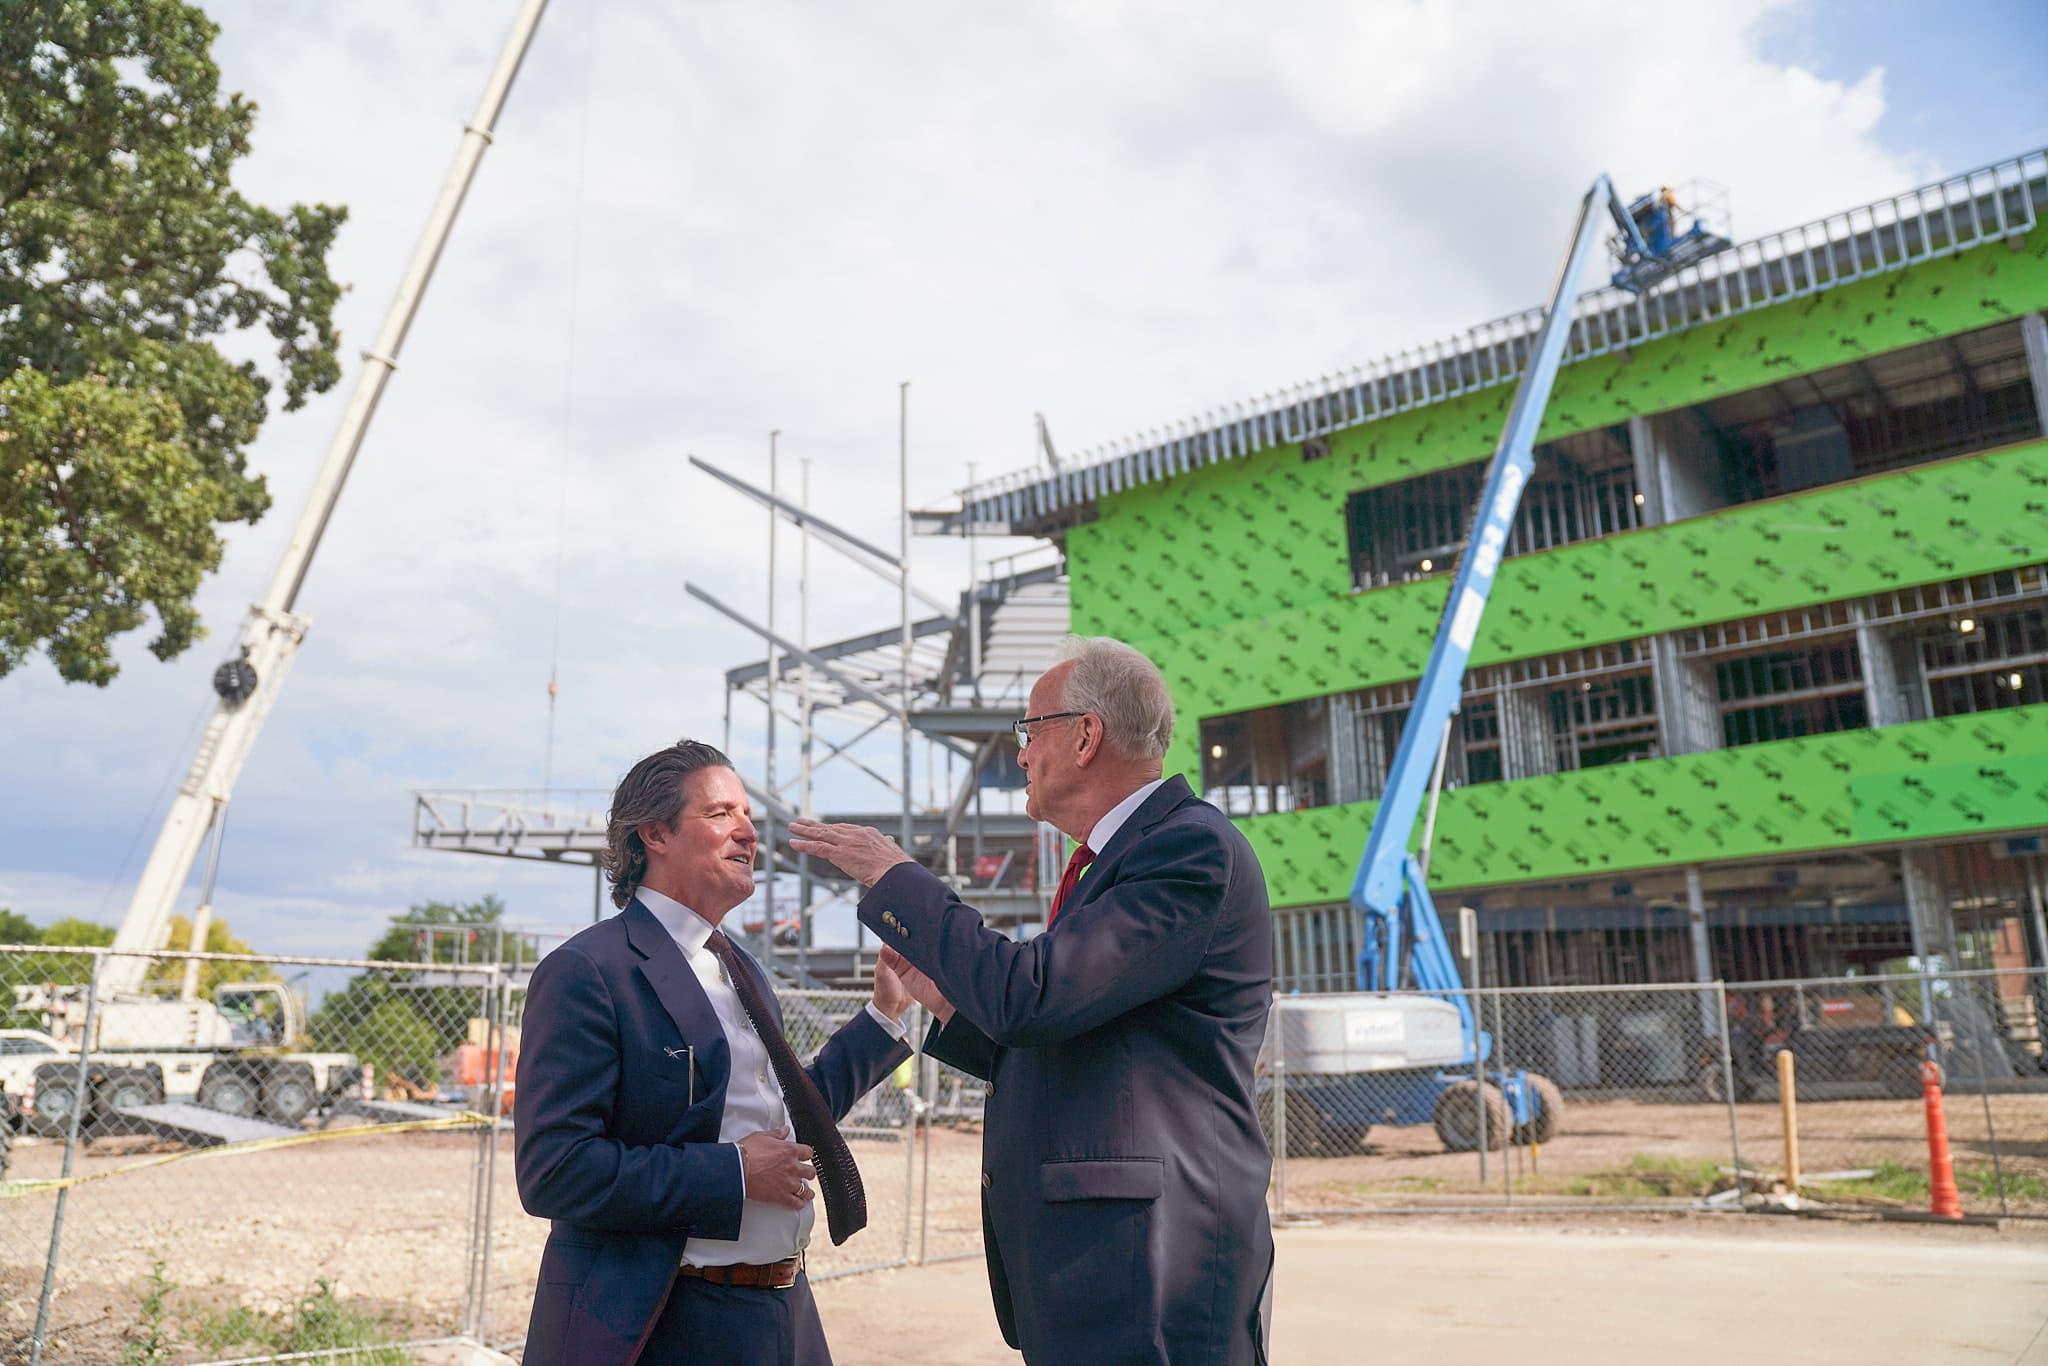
(862, 854)
(777, 1171)
(920, 988)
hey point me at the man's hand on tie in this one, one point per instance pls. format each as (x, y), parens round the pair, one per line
(777, 1171)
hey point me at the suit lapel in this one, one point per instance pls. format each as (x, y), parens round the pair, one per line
(1164, 801)
(676, 986)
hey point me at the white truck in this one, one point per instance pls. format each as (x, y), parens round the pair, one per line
(239, 1054)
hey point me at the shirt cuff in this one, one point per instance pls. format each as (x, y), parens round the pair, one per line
(896, 1028)
(742, 1157)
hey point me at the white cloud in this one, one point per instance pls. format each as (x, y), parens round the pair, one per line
(701, 223)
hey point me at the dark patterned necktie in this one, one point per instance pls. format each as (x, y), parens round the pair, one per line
(846, 1204)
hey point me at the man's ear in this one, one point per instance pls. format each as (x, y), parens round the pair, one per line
(1085, 750)
(652, 833)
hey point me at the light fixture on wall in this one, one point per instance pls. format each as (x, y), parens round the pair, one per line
(2015, 680)
(1215, 751)
(1428, 565)
(1639, 500)
(1967, 625)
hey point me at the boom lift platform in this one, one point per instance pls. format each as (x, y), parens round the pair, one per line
(1377, 1057)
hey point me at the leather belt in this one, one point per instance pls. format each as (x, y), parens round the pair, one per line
(761, 1276)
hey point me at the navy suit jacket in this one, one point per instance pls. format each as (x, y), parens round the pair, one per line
(1124, 1172)
(622, 1076)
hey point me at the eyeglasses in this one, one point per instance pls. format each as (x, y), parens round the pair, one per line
(1023, 727)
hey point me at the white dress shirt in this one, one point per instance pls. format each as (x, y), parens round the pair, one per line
(753, 1098)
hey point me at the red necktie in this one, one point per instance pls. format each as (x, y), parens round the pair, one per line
(1083, 856)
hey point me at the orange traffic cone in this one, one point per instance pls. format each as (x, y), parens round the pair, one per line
(1941, 1172)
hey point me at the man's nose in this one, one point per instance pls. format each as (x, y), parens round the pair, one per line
(745, 832)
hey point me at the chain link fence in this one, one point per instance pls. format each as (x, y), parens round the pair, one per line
(202, 1168)
(1654, 1095)
(198, 1166)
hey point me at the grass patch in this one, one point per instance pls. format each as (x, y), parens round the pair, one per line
(1650, 1176)
(149, 1344)
(318, 1322)
(1890, 1181)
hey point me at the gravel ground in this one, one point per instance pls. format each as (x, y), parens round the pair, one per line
(385, 1219)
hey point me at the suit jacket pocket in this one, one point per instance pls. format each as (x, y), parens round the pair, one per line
(1101, 1178)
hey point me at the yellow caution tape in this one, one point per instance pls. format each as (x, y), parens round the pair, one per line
(465, 1119)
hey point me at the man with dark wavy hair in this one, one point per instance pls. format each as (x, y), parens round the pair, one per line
(664, 1125)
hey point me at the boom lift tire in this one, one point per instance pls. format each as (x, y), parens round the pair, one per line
(1549, 1112)
(1457, 1116)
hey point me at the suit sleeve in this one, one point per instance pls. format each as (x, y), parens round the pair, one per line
(1136, 940)
(854, 1061)
(566, 1165)
(958, 1043)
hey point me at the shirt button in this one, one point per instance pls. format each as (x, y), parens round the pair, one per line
(763, 1076)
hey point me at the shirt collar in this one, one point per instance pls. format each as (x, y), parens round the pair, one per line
(1113, 820)
(684, 925)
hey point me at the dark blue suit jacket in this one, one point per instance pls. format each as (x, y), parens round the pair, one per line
(1124, 1170)
(622, 1076)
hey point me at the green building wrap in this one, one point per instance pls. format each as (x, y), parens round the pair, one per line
(1234, 579)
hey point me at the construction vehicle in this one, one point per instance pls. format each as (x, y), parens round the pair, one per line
(238, 1054)
(1377, 1057)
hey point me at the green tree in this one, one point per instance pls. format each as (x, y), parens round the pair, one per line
(62, 969)
(219, 939)
(124, 251)
(16, 928)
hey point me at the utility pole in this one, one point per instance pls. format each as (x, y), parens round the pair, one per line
(768, 812)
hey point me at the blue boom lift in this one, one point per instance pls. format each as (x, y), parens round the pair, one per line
(1381, 1058)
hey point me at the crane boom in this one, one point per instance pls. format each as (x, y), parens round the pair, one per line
(246, 686)
(1390, 876)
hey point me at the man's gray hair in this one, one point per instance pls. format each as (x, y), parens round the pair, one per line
(1125, 689)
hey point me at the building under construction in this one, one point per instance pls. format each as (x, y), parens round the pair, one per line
(1763, 691)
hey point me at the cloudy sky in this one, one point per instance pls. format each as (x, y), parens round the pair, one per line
(702, 221)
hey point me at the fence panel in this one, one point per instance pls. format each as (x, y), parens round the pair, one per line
(248, 1178)
(1649, 1094)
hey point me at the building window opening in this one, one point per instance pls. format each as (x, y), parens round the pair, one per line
(1783, 694)
(1909, 407)
(1986, 662)
(1600, 721)
(1274, 759)
(1583, 486)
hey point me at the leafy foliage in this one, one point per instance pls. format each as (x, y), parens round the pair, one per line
(220, 938)
(124, 250)
(390, 1020)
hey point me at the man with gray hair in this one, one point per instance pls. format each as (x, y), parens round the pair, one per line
(1123, 1169)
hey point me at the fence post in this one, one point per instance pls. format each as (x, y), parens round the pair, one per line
(1978, 1042)
(79, 1101)
(1280, 1114)
(928, 1072)
(498, 994)
(472, 1291)
(913, 1020)
(1728, 1087)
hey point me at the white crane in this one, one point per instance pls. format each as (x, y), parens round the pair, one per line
(246, 686)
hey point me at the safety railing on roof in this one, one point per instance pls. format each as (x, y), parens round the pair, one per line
(1992, 203)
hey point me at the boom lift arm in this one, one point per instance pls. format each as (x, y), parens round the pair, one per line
(1404, 944)
(246, 686)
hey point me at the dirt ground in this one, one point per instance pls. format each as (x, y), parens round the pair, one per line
(385, 1221)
